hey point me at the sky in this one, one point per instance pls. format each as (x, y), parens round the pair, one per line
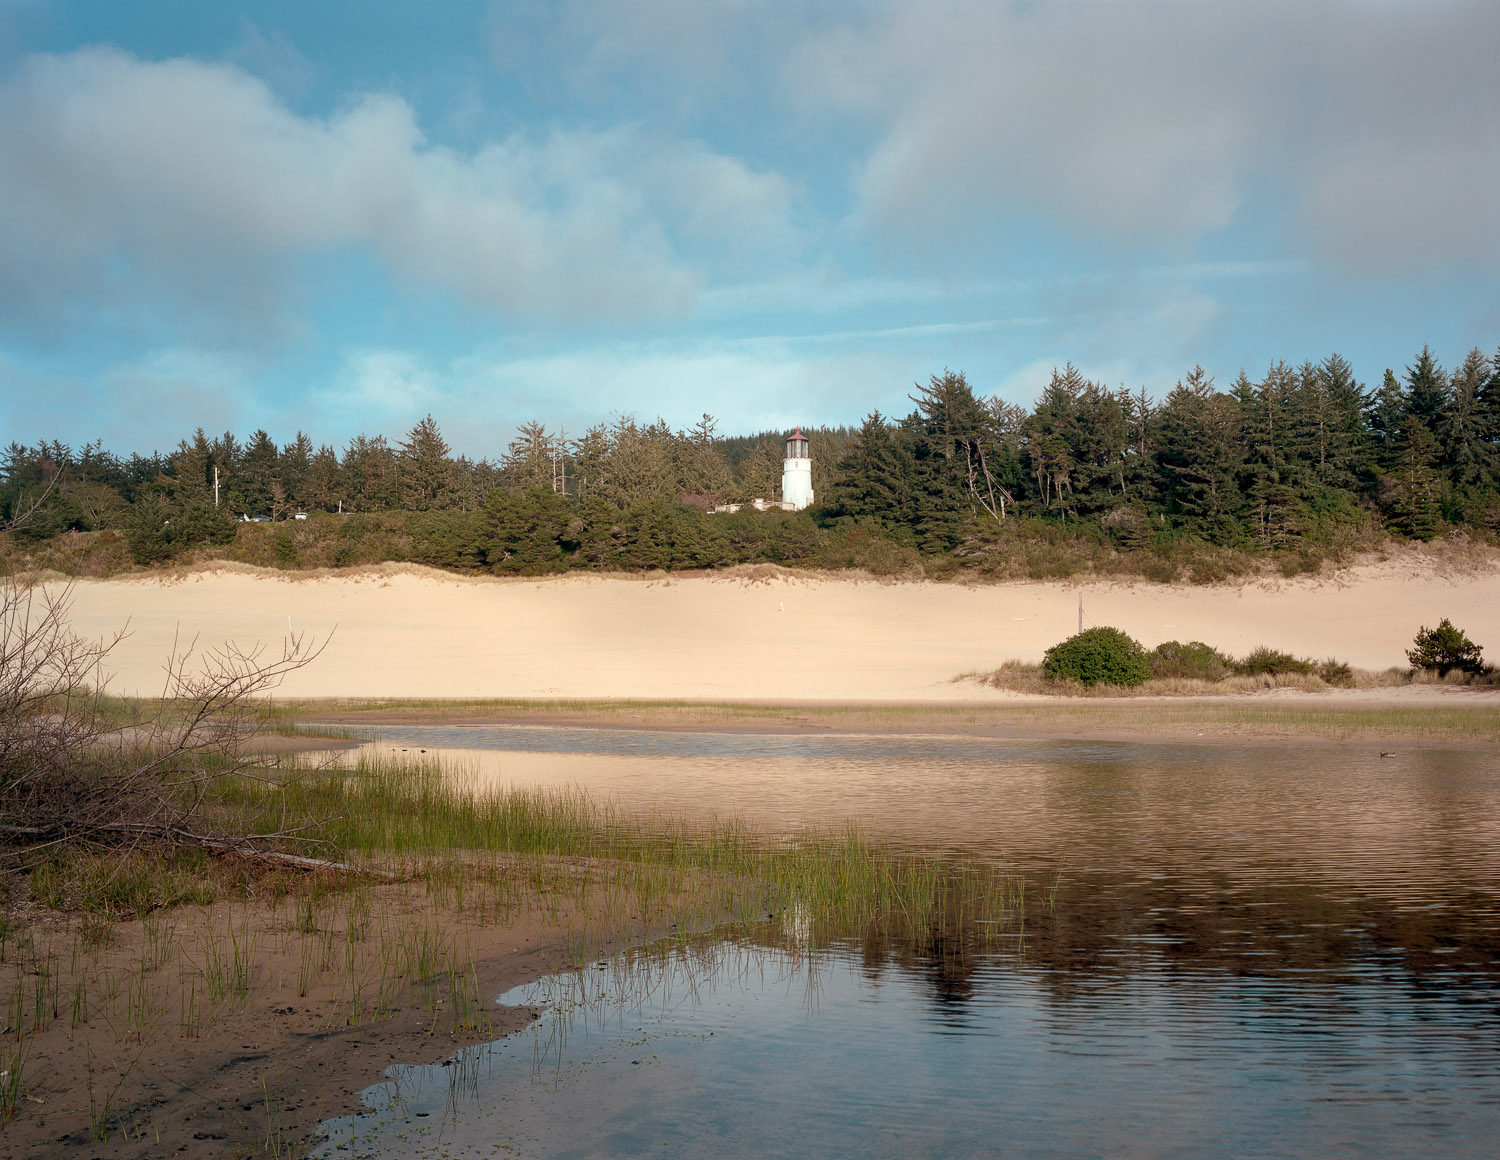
(339, 216)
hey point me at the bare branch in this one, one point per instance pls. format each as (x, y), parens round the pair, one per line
(69, 771)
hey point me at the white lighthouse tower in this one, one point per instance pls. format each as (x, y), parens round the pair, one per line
(796, 473)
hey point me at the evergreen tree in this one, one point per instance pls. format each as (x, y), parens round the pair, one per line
(1462, 429)
(873, 479)
(640, 463)
(940, 509)
(371, 475)
(1426, 389)
(702, 469)
(292, 468)
(529, 459)
(956, 443)
(1050, 436)
(1201, 455)
(425, 471)
(1142, 476)
(1387, 413)
(529, 532)
(1343, 442)
(1268, 472)
(1410, 491)
(322, 486)
(259, 476)
(761, 471)
(1489, 405)
(1101, 436)
(590, 456)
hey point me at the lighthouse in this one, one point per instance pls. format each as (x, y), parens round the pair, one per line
(796, 473)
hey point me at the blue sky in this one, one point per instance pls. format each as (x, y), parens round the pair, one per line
(341, 216)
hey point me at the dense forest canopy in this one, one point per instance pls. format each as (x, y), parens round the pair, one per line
(1289, 464)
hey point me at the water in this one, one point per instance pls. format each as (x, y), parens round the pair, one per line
(1257, 951)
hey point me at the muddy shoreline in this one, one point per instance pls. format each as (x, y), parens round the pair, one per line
(263, 1075)
(1386, 716)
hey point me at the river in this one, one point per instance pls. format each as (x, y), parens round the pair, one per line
(1257, 950)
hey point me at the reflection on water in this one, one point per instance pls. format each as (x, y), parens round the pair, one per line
(750, 1049)
(1277, 950)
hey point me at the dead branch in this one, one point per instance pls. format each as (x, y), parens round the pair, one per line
(70, 773)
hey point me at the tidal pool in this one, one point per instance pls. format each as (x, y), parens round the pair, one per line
(1264, 951)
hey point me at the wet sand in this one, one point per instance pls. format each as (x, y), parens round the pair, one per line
(270, 1069)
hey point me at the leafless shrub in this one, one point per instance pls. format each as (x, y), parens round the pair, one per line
(78, 768)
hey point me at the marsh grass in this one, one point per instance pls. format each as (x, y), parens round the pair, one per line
(141, 937)
(1455, 721)
(576, 853)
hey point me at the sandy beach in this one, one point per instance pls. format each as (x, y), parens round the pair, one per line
(756, 634)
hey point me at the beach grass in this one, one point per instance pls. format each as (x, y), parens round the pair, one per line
(423, 862)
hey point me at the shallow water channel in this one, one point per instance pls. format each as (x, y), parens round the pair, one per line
(1279, 950)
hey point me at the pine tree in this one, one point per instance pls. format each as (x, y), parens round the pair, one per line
(1344, 449)
(1268, 472)
(425, 470)
(1101, 434)
(1410, 491)
(259, 473)
(872, 481)
(322, 486)
(1462, 430)
(1201, 454)
(529, 459)
(1426, 389)
(371, 475)
(1142, 474)
(956, 444)
(760, 472)
(1387, 413)
(292, 467)
(1050, 436)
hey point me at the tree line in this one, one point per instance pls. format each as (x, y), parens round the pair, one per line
(1283, 464)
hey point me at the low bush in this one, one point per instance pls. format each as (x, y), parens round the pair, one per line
(1193, 661)
(1273, 662)
(1334, 672)
(1098, 656)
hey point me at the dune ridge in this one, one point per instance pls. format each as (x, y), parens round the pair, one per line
(757, 633)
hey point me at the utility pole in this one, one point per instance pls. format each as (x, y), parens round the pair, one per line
(216, 485)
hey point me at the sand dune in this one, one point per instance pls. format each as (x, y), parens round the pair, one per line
(406, 632)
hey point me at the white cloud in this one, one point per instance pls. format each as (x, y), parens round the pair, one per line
(373, 386)
(1375, 123)
(193, 180)
(1367, 132)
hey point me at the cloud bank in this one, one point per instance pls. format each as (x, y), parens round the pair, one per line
(192, 180)
(1362, 131)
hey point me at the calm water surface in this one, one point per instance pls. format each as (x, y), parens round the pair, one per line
(1270, 951)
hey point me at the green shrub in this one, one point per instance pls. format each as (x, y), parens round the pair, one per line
(1098, 656)
(1273, 662)
(1334, 672)
(1194, 660)
(1445, 648)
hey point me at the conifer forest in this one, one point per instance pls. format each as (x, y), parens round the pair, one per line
(1305, 464)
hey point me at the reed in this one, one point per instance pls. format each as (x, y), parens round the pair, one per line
(471, 844)
(480, 855)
